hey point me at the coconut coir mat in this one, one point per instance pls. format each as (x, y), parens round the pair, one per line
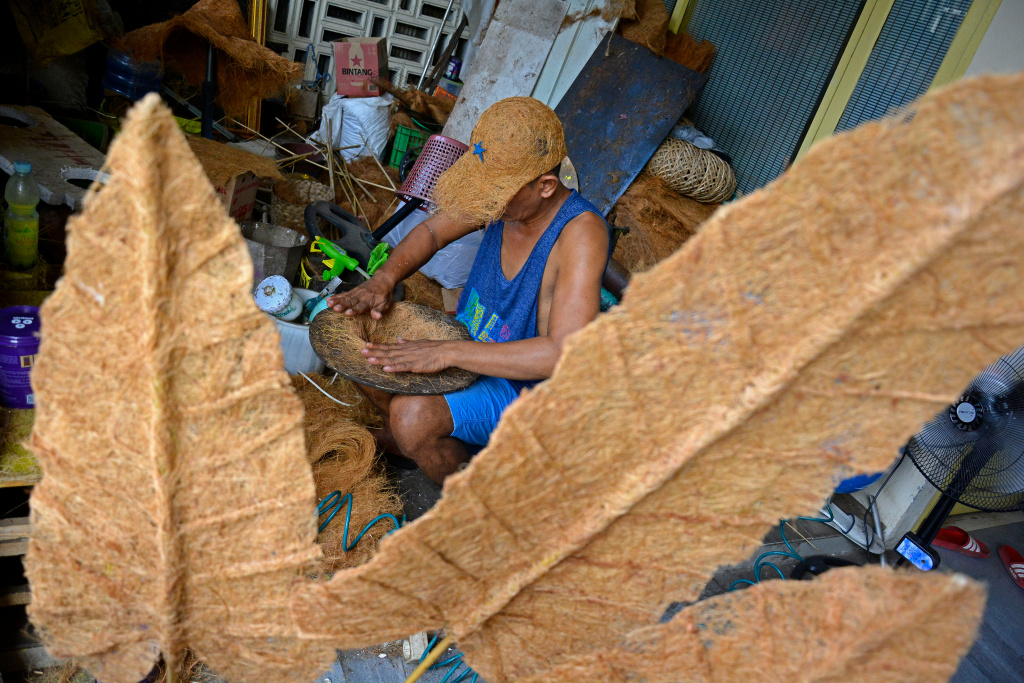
(246, 70)
(338, 339)
(177, 508)
(803, 334)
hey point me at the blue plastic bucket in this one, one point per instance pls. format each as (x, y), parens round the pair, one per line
(19, 344)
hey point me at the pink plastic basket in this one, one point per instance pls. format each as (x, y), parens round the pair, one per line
(437, 156)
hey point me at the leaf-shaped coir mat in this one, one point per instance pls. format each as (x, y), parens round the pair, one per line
(805, 333)
(176, 507)
(852, 625)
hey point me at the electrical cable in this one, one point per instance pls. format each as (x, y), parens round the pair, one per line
(332, 504)
(322, 391)
(760, 563)
(429, 657)
(427, 662)
(869, 532)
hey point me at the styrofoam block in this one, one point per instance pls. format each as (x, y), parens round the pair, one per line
(57, 155)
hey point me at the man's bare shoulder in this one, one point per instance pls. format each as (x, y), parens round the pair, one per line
(585, 236)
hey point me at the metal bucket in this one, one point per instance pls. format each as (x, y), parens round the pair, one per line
(275, 250)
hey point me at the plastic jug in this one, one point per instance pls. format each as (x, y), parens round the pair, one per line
(21, 222)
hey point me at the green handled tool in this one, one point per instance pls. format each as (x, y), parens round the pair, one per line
(338, 260)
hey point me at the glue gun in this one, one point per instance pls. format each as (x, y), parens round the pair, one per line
(338, 260)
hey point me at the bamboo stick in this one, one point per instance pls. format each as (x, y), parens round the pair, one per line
(280, 147)
(330, 157)
(383, 172)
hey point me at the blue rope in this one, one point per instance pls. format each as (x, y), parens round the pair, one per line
(332, 504)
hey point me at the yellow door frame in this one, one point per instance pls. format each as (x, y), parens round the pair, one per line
(855, 57)
(848, 71)
(681, 15)
(966, 42)
(862, 42)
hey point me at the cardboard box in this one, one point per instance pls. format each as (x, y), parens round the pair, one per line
(356, 61)
(450, 298)
(239, 195)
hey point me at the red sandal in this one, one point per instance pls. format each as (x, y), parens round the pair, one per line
(959, 541)
(1014, 564)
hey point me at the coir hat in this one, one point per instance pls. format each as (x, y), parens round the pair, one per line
(516, 140)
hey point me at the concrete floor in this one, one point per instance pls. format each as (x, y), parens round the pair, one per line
(998, 653)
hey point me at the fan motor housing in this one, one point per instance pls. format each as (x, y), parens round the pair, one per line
(967, 413)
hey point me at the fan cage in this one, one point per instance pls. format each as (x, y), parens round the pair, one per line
(983, 468)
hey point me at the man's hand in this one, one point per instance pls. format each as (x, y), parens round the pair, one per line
(409, 356)
(373, 296)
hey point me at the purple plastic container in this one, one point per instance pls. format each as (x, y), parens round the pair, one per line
(19, 344)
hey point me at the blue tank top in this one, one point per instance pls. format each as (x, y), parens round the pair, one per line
(495, 309)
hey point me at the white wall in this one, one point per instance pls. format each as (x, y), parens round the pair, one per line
(1002, 48)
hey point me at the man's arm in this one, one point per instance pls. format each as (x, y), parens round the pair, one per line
(581, 254)
(418, 247)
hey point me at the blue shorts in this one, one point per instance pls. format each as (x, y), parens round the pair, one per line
(477, 408)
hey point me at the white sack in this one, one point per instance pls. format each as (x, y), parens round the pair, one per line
(449, 267)
(356, 122)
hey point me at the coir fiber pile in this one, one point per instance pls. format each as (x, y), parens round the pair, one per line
(803, 335)
(17, 464)
(223, 162)
(343, 454)
(246, 70)
(177, 508)
(339, 339)
(659, 221)
(419, 289)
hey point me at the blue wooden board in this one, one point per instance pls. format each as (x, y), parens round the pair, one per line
(618, 111)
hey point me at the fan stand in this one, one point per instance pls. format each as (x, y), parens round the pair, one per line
(967, 415)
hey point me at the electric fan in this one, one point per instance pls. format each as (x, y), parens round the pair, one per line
(973, 453)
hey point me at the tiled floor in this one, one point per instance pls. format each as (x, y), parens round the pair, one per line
(998, 652)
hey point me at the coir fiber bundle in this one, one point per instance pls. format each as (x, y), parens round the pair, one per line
(419, 102)
(343, 454)
(683, 49)
(246, 70)
(223, 162)
(801, 336)
(191, 670)
(648, 27)
(176, 509)
(856, 625)
(659, 221)
(17, 464)
(330, 426)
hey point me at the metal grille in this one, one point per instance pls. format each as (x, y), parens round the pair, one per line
(409, 25)
(774, 60)
(977, 457)
(913, 42)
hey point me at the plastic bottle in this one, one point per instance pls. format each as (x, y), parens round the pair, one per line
(21, 222)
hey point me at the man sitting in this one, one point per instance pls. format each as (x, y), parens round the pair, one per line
(536, 280)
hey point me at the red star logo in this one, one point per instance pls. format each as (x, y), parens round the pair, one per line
(357, 61)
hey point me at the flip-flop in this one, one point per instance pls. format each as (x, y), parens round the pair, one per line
(1014, 564)
(959, 541)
